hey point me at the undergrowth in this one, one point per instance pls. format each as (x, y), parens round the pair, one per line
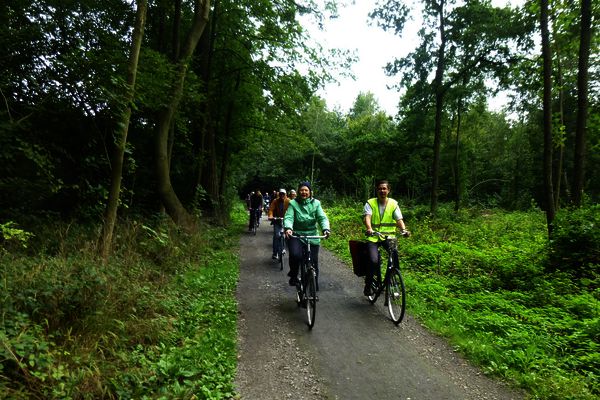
(522, 308)
(157, 321)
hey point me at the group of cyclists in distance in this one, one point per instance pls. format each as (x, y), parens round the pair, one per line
(300, 214)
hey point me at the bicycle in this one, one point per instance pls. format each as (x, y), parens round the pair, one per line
(306, 286)
(281, 251)
(257, 215)
(393, 284)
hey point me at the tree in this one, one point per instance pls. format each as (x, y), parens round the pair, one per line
(468, 45)
(122, 129)
(547, 115)
(173, 205)
(582, 101)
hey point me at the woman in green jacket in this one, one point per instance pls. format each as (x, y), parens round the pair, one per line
(303, 215)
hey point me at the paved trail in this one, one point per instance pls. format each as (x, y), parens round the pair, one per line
(353, 352)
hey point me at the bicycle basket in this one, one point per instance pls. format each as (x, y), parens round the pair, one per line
(360, 260)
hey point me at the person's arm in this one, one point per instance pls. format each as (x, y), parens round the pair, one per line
(367, 221)
(400, 224)
(288, 221)
(323, 220)
(271, 208)
(367, 212)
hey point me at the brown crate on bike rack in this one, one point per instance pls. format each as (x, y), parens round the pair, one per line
(358, 251)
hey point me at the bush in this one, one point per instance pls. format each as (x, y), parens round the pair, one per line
(575, 244)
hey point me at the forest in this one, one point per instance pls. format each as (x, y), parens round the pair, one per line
(152, 118)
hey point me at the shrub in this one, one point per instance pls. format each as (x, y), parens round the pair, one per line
(575, 244)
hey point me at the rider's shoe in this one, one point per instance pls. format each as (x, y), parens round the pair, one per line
(274, 257)
(283, 252)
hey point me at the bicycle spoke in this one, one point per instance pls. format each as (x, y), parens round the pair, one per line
(395, 296)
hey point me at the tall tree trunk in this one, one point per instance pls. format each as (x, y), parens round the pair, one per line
(457, 173)
(169, 198)
(110, 214)
(582, 101)
(439, 104)
(175, 40)
(205, 62)
(557, 175)
(547, 118)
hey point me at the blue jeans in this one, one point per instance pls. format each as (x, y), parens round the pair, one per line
(277, 233)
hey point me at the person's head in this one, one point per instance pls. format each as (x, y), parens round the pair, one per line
(292, 194)
(304, 190)
(282, 193)
(383, 188)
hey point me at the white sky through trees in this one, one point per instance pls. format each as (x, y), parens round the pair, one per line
(374, 47)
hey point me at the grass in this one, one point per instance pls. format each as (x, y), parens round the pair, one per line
(158, 321)
(478, 278)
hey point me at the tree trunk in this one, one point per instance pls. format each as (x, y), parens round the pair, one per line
(582, 101)
(457, 173)
(169, 198)
(110, 214)
(439, 104)
(547, 115)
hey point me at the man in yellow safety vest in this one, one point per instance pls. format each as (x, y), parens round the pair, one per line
(381, 214)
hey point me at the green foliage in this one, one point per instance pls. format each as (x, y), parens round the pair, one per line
(479, 278)
(9, 234)
(575, 244)
(159, 319)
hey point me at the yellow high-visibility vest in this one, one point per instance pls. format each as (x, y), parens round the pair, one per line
(386, 223)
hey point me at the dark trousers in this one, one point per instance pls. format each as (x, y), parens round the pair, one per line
(254, 213)
(295, 247)
(373, 260)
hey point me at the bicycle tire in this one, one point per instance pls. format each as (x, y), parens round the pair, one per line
(395, 296)
(281, 254)
(311, 298)
(375, 284)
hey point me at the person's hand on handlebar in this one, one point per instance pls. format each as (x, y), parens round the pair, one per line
(289, 233)
(326, 232)
(370, 231)
(405, 233)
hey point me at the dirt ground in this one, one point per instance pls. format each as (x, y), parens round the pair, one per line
(353, 352)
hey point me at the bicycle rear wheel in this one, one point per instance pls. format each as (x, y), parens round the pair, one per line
(281, 251)
(311, 297)
(395, 296)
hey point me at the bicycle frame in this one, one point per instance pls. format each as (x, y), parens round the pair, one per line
(306, 295)
(393, 283)
(281, 241)
(257, 215)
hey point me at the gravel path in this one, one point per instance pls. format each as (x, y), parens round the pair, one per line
(353, 352)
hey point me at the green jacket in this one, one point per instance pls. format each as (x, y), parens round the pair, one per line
(302, 216)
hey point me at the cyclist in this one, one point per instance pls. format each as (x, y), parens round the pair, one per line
(303, 216)
(381, 214)
(256, 203)
(292, 194)
(277, 210)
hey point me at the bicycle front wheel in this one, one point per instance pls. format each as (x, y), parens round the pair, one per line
(311, 298)
(395, 296)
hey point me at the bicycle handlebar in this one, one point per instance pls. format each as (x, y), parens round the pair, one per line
(310, 237)
(404, 233)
